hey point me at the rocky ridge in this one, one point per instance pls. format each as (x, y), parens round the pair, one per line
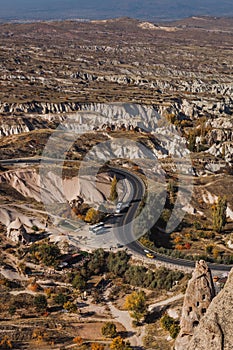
(218, 138)
(188, 108)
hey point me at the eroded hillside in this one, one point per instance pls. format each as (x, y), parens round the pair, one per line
(114, 92)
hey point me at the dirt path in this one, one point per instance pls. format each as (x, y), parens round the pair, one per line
(15, 293)
(124, 318)
(152, 307)
(135, 335)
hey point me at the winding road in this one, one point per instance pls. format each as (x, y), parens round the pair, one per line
(135, 246)
(124, 230)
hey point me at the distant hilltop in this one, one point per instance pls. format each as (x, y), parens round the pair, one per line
(156, 10)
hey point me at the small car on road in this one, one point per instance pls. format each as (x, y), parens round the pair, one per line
(150, 255)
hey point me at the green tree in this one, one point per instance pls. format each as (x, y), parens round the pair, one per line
(136, 275)
(113, 192)
(118, 262)
(174, 330)
(12, 310)
(136, 304)
(165, 278)
(97, 263)
(219, 214)
(109, 330)
(40, 302)
(79, 282)
(209, 249)
(60, 299)
(166, 322)
(169, 324)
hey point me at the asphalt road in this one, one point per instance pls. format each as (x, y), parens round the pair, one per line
(127, 230)
(124, 232)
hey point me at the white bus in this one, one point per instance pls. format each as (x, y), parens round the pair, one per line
(92, 227)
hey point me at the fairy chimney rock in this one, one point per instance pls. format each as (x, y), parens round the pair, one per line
(198, 296)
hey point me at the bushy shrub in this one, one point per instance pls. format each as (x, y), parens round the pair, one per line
(109, 330)
(47, 253)
(79, 282)
(60, 299)
(169, 324)
(40, 302)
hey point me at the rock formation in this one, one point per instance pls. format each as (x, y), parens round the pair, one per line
(218, 140)
(199, 294)
(18, 233)
(215, 331)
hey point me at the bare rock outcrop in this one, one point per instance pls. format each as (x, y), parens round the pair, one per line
(199, 294)
(215, 331)
(18, 232)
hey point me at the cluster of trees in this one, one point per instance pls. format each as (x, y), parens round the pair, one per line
(70, 307)
(118, 265)
(154, 202)
(79, 282)
(161, 278)
(66, 302)
(61, 299)
(45, 253)
(184, 243)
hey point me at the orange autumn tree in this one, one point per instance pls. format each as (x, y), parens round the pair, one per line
(78, 340)
(96, 346)
(119, 344)
(5, 343)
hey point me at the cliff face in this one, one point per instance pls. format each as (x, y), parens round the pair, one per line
(199, 294)
(215, 331)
